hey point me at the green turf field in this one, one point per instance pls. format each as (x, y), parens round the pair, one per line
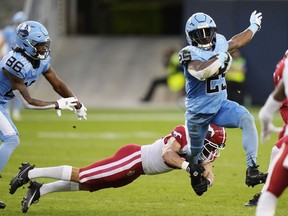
(47, 140)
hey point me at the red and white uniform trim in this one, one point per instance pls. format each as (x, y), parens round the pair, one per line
(129, 162)
(277, 181)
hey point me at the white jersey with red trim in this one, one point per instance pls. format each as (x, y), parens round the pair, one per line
(151, 155)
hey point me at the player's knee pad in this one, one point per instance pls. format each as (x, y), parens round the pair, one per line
(11, 141)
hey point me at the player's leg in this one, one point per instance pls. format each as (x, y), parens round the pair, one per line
(119, 170)
(275, 185)
(28, 171)
(126, 156)
(8, 136)
(274, 152)
(233, 115)
(197, 133)
(197, 126)
(37, 190)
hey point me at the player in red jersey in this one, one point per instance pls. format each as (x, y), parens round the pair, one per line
(283, 109)
(277, 181)
(278, 167)
(277, 76)
(126, 165)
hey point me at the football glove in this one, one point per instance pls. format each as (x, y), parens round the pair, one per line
(201, 187)
(256, 18)
(184, 56)
(81, 113)
(66, 103)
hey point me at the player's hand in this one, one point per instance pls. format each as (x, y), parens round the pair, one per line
(195, 169)
(184, 56)
(271, 128)
(265, 119)
(66, 103)
(81, 113)
(256, 18)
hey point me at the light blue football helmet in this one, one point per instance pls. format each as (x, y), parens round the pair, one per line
(200, 31)
(31, 34)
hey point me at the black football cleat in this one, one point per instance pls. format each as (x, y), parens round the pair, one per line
(32, 196)
(2, 205)
(21, 178)
(253, 201)
(254, 176)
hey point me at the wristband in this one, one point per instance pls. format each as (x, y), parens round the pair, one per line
(184, 165)
(210, 182)
(254, 28)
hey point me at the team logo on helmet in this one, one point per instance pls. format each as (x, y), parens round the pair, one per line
(23, 30)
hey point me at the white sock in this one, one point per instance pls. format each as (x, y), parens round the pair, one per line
(58, 186)
(60, 172)
(267, 204)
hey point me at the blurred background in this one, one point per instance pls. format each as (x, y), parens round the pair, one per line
(109, 51)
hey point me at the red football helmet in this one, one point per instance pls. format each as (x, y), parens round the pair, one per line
(214, 142)
(277, 75)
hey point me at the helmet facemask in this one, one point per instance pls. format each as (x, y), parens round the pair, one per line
(42, 50)
(211, 151)
(213, 143)
(203, 38)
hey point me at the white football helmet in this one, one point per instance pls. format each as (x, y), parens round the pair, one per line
(200, 31)
(214, 142)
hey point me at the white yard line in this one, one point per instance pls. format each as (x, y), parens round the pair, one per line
(104, 135)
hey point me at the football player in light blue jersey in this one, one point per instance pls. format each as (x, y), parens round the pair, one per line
(6, 45)
(205, 62)
(19, 69)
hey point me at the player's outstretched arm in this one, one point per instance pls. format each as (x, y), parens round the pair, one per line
(62, 89)
(169, 153)
(241, 39)
(20, 91)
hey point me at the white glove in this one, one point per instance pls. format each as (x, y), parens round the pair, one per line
(81, 113)
(265, 119)
(66, 103)
(271, 128)
(256, 18)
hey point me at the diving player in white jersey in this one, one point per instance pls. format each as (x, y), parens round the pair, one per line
(20, 68)
(205, 62)
(127, 164)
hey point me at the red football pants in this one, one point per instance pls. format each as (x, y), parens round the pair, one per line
(116, 171)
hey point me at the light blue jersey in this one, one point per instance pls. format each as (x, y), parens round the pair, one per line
(205, 96)
(16, 64)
